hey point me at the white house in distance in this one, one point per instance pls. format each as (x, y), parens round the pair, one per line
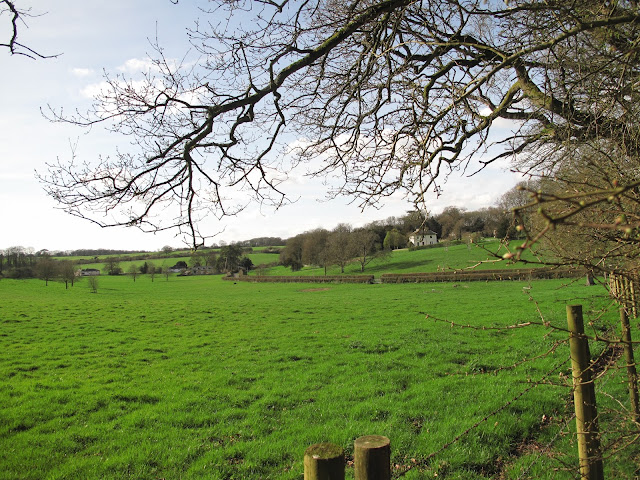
(420, 238)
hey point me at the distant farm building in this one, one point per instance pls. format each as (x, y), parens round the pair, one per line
(420, 238)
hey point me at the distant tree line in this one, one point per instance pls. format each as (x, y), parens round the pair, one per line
(320, 247)
(325, 248)
(345, 244)
(17, 262)
(85, 252)
(262, 242)
(20, 262)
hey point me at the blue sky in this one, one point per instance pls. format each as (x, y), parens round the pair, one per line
(93, 37)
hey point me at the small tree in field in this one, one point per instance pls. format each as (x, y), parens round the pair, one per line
(362, 243)
(93, 283)
(339, 246)
(152, 270)
(46, 269)
(67, 272)
(133, 271)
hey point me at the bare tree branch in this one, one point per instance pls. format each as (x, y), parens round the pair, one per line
(386, 96)
(17, 18)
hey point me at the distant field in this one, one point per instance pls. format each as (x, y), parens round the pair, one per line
(256, 258)
(399, 261)
(427, 260)
(125, 265)
(199, 378)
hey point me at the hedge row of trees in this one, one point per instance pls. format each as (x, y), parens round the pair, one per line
(344, 244)
(336, 247)
(19, 262)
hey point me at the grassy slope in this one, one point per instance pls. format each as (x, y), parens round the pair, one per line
(199, 378)
(427, 260)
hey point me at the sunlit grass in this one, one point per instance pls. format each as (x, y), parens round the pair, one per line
(199, 378)
(440, 258)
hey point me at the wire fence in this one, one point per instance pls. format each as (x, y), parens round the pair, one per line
(617, 417)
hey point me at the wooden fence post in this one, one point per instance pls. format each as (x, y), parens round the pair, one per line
(584, 397)
(372, 458)
(324, 461)
(631, 364)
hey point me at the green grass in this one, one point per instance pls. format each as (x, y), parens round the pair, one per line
(200, 378)
(440, 258)
(399, 261)
(256, 258)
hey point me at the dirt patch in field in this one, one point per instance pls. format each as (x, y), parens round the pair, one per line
(315, 289)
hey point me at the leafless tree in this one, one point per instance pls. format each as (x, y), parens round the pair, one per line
(386, 95)
(47, 268)
(314, 248)
(152, 270)
(67, 271)
(339, 246)
(93, 283)
(133, 271)
(365, 248)
(587, 211)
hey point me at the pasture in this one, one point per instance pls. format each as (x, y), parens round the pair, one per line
(440, 258)
(199, 378)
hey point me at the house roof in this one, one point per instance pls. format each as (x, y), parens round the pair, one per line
(424, 232)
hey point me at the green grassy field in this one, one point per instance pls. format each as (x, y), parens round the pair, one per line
(199, 378)
(399, 261)
(256, 258)
(440, 258)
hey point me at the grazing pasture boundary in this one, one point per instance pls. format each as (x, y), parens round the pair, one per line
(452, 276)
(483, 275)
(303, 279)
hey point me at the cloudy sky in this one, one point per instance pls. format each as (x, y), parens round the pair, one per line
(96, 37)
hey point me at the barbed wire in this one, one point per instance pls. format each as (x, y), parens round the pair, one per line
(604, 363)
(547, 324)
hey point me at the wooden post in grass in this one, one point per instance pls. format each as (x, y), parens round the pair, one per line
(584, 398)
(631, 364)
(372, 458)
(324, 461)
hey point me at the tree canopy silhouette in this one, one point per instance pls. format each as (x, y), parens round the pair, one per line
(387, 96)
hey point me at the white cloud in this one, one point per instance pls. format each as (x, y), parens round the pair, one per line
(137, 65)
(94, 89)
(82, 72)
(144, 65)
